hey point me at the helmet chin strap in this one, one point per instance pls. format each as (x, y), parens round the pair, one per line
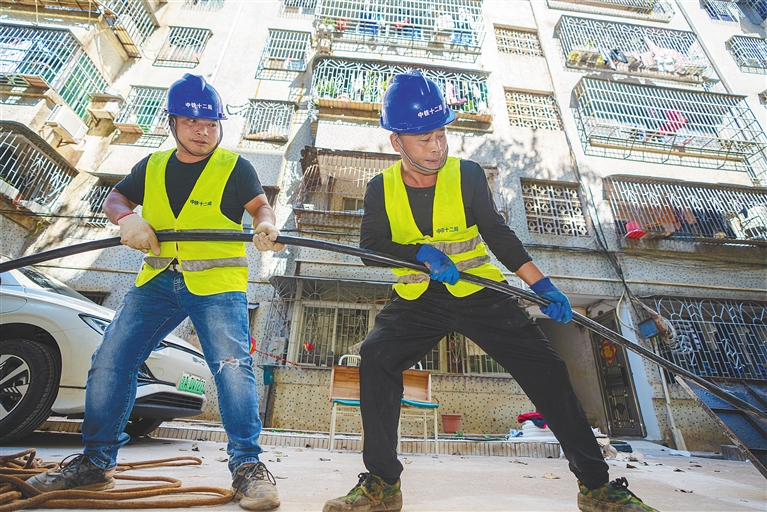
(421, 167)
(172, 124)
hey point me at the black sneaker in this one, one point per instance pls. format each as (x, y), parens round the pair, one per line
(78, 473)
(254, 487)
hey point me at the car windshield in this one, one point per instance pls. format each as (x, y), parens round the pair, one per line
(48, 283)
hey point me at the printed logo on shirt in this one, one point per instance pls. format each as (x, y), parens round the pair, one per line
(448, 229)
(200, 203)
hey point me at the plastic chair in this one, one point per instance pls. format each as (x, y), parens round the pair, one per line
(354, 360)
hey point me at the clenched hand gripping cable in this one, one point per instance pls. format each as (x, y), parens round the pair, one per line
(384, 260)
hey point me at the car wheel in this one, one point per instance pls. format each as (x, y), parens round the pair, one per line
(29, 383)
(138, 427)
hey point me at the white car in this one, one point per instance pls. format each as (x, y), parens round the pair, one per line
(48, 333)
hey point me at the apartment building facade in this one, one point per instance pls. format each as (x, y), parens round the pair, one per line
(623, 140)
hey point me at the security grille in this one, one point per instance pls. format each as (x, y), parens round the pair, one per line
(652, 208)
(32, 174)
(183, 47)
(359, 85)
(536, 111)
(763, 97)
(94, 214)
(297, 8)
(56, 57)
(756, 10)
(633, 49)
(663, 125)
(204, 5)
(143, 113)
(518, 41)
(284, 55)
(329, 196)
(271, 193)
(722, 10)
(269, 121)
(438, 29)
(657, 10)
(750, 53)
(553, 208)
(131, 22)
(715, 338)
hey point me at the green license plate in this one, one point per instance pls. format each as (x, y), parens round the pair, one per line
(191, 384)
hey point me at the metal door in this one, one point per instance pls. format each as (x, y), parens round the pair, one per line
(618, 393)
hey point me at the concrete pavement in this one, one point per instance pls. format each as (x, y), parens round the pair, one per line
(307, 477)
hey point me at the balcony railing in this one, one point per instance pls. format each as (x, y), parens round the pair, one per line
(715, 338)
(656, 10)
(699, 212)
(663, 125)
(36, 58)
(32, 174)
(633, 49)
(446, 29)
(750, 53)
(330, 195)
(360, 85)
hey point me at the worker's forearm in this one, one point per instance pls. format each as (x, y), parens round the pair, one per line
(529, 273)
(265, 214)
(116, 205)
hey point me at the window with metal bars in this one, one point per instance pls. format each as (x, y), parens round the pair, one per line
(284, 54)
(53, 55)
(518, 41)
(722, 10)
(532, 110)
(633, 49)
(438, 29)
(269, 121)
(298, 7)
(143, 115)
(671, 126)
(271, 194)
(32, 174)
(553, 208)
(749, 52)
(359, 85)
(699, 212)
(183, 47)
(204, 5)
(714, 337)
(457, 354)
(657, 10)
(94, 214)
(756, 10)
(132, 23)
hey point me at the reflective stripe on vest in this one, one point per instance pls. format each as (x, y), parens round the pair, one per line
(208, 267)
(462, 244)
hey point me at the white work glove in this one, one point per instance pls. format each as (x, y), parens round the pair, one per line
(138, 234)
(265, 237)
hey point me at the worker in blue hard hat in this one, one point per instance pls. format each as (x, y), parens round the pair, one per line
(196, 185)
(438, 210)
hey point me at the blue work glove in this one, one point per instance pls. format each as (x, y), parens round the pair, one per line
(441, 268)
(559, 309)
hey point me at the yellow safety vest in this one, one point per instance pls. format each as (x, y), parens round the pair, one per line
(208, 267)
(463, 245)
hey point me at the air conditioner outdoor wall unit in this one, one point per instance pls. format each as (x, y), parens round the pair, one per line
(67, 124)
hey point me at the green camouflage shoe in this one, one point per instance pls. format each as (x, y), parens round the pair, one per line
(371, 494)
(611, 497)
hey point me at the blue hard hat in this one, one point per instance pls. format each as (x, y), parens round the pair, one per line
(193, 97)
(414, 104)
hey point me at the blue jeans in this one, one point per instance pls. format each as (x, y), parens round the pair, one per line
(148, 314)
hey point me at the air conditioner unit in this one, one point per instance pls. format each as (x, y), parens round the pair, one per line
(67, 124)
(105, 106)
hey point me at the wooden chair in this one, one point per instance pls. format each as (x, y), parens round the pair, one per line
(416, 401)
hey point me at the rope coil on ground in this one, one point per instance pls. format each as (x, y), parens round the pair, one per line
(17, 494)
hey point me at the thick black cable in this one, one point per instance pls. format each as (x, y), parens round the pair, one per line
(385, 260)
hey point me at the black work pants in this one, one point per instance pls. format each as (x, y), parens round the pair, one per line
(404, 332)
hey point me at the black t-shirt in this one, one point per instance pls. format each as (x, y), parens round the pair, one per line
(479, 208)
(243, 185)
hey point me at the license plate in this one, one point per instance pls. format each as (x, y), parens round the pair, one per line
(191, 384)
